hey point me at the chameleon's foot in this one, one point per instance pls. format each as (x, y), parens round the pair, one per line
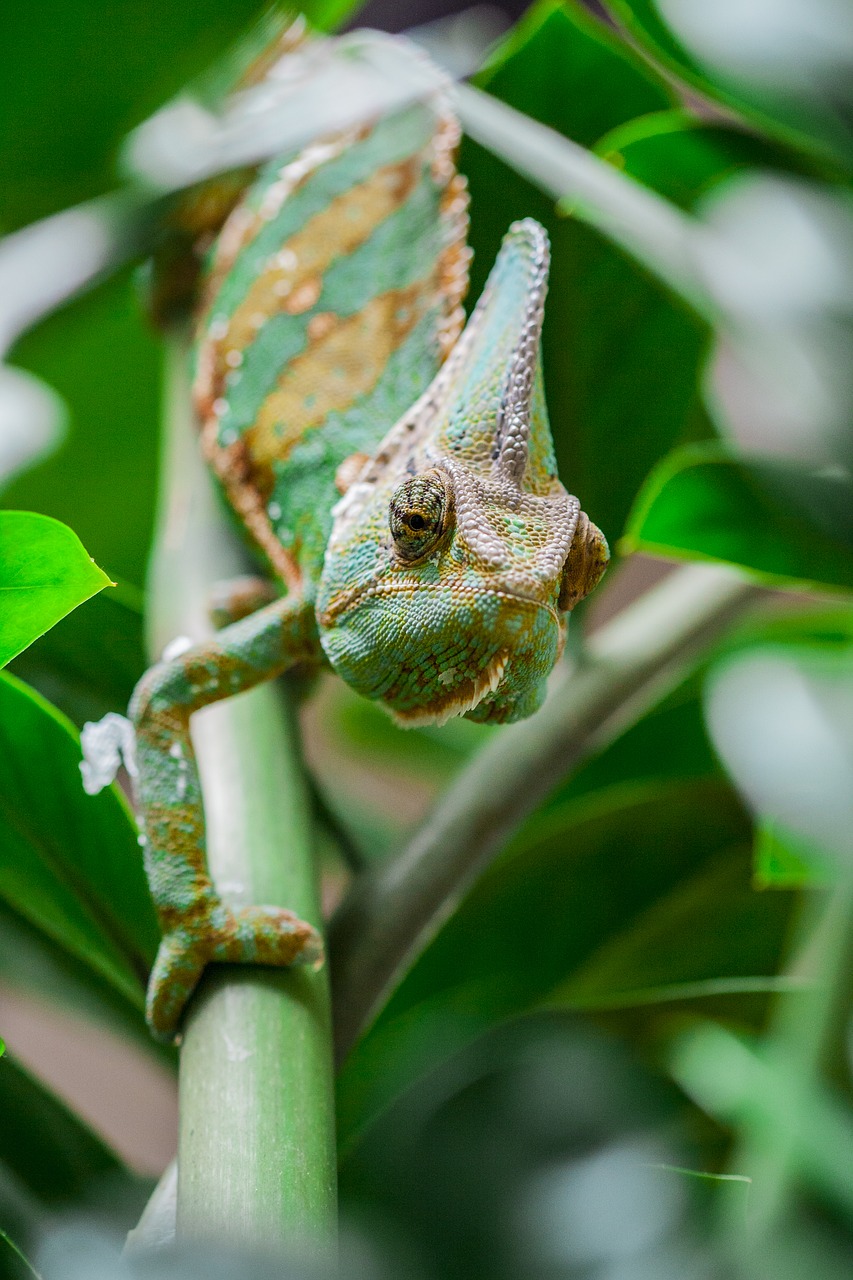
(249, 935)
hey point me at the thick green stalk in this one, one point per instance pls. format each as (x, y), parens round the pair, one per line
(256, 1152)
(391, 914)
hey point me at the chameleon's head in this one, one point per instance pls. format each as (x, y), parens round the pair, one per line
(456, 552)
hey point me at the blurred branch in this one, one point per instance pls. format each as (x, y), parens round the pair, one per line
(650, 228)
(46, 263)
(391, 913)
(326, 87)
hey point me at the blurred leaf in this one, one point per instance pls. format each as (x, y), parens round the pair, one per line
(18, 1254)
(728, 1192)
(683, 157)
(89, 663)
(781, 719)
(520, 1157)
(32, 421)
(671, 741)
(616, 402)
(32, 962)
(559, 44)
(71, 864)
(44, 574)
(639, 887)
(828, 627)
(784, 860)
(104, 361)
(67, 128)
(54, 1154)
(779, 115)
(780, 521)
(740, 1085)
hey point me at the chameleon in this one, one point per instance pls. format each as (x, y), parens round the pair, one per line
(392, 465)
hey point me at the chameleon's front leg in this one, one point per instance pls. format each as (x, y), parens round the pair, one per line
(197, 925)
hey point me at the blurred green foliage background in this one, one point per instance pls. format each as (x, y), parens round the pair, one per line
(645, 1002)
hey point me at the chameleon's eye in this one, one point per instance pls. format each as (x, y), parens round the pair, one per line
(418, 515)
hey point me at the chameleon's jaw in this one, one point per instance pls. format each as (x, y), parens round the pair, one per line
(459, 701)
(431, 653)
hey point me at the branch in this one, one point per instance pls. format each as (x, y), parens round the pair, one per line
(391, 914)
(256, 1147)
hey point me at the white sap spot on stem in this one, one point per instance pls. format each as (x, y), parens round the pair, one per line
(106, 744)
(235, 887)
(235, 1052)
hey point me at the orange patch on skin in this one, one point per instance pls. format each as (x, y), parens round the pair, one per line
(332, 372)
(320, 325)
(304, 297)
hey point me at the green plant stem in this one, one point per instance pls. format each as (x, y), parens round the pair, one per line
(390, 914)
(256, 1154)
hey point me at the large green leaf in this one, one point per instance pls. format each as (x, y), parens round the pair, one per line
(621, 354)
(632, 896)
(70, 862)
(781, 521)
(44, 574)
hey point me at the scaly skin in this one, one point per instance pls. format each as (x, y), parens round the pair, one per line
(329, 362)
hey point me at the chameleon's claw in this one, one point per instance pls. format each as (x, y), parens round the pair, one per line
(248, 935)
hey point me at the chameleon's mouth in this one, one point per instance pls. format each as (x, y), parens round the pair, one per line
(352, 597)
(465, 696)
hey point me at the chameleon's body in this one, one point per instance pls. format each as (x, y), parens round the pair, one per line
(329, 362)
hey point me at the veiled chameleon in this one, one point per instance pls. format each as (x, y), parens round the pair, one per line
(396, 474)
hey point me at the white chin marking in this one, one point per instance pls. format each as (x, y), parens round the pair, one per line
(465, 699)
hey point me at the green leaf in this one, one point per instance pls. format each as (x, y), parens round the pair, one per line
(783, 116)
(725, 1193)
(682, 157)
(559, 44)
(615, 406)
(70, 862)
(780, 521)
(44, 574)
(89, 663)
(629, 897)
(784, 860)
(764, 1091)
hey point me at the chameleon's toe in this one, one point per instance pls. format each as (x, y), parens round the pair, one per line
(248, 935)
(179, 965)
(267, 935)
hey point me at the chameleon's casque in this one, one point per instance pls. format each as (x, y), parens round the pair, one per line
(399, 480)
(468, 600)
